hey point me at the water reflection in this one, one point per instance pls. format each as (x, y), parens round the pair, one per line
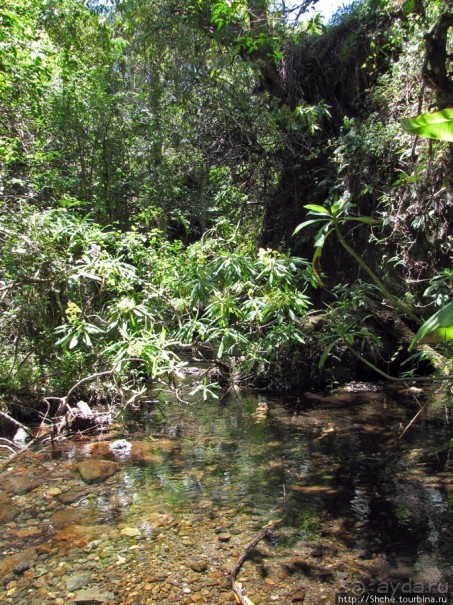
(331, 471)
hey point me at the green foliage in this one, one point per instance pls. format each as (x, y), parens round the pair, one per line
(142, 143)
(437, 125)
(86, 298)
(244, 306)
(440, 287)
(438, 328)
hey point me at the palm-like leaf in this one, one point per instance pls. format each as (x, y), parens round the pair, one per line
(437, 125)
(438, 328)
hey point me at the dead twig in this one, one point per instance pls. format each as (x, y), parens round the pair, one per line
(237, 589)
(423, 407)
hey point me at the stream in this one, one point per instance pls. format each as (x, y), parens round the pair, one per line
(158, 509)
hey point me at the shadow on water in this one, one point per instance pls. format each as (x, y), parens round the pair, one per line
(333, 459)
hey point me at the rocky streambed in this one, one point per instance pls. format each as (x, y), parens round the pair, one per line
(137, 517)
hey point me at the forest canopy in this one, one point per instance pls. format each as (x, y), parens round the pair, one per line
(221, 179)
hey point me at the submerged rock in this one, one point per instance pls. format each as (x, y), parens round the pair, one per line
(198, 566)
(131, 532)
(77, 581)
(19, 560)
(96, 471)
(21, 567)
(80, 535)
(72, 516)
(144, 453)
(93, 596)
(8, 510)
(72, 495)
(21, 484)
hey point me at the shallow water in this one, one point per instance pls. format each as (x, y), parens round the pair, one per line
(356, 507)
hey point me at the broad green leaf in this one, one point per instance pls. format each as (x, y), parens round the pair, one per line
(438, 335)
(431, 328)
(316, 208)
(64, 340)
(74, 342)
(321, 236)
(306, 223)
(362, 219)
(93, 329)
(437, 125)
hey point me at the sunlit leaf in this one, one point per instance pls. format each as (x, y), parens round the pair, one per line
(321, 237)
(316, 208)
(437, 125)
(438, 328)
(438, 335)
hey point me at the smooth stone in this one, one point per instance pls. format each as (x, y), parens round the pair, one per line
(144, 453)
(72, 516)
(21, 484)
(298, 596)
(28, 532)
(198, 566)
(72, 495)
(77, 581)
(96, 471)
(51, 492)
(80, 535)
(157, 520)
(131, 532)
(93, 596)
(224, 537)
(21, 567)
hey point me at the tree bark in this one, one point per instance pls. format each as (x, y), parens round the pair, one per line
(436, 70)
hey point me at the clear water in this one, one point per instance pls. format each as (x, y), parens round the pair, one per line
(354, 503)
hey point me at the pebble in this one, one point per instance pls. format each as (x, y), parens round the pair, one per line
(198, 566)
(224, 537)
(131, 532)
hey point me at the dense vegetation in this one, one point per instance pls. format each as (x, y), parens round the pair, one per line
(156, 160)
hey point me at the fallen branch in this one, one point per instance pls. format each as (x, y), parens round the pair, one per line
(6, 444)
(64, 400)
(30, 444)
(15, 422)
(237, 589)
(64, 407)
